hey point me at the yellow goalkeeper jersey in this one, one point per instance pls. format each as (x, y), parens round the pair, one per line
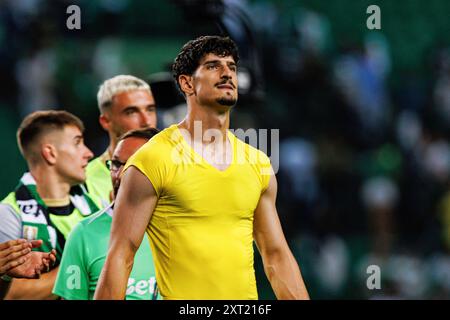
(201, 231)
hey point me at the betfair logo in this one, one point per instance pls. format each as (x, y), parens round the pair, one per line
(141, 287)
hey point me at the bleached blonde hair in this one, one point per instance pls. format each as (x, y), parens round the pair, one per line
(116, 85)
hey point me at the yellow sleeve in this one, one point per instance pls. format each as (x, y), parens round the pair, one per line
(265, 169)
(149, 159)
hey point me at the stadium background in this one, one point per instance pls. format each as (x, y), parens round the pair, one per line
(364, 116)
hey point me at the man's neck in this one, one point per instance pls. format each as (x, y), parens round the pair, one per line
(49, 185)
(112, 146)
(208, 135)
(200, 119)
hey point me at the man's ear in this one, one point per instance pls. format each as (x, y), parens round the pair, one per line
(49, 153)
(105, 122)
(186, 84)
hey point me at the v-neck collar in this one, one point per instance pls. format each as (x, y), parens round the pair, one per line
(197, 157)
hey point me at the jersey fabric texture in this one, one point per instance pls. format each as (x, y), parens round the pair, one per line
(201, 230)
(98, 180)
(84, 257)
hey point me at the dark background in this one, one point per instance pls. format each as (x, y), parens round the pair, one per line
(364, 116)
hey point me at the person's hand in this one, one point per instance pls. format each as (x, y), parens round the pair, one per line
(49, 260)
(37, 263)
(14, 253)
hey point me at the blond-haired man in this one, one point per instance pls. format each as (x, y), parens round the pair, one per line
(125, 103)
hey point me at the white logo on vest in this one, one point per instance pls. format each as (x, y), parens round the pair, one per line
(30, 233)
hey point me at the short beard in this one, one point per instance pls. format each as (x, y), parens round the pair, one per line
(228, 102)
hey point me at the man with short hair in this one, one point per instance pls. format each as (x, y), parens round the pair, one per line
(87, 245)
(125, 103)
(202, 196)
(49, 199)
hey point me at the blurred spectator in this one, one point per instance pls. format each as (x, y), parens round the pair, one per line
(360, 77)
(380, 196)
(299, 187)
(35, 75)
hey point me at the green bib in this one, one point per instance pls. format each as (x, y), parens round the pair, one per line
(98, 182)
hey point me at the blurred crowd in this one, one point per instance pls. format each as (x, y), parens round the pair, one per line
(364, 149)
(364, 158)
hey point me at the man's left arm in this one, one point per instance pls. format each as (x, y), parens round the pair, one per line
(280, 266)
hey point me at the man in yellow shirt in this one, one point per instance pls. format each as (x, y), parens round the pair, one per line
(125, 103)
(202, 196)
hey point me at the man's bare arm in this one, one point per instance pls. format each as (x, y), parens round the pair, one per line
(33, 264)
(280, 266)
(33, 289)
(133, 208)
(13, 253)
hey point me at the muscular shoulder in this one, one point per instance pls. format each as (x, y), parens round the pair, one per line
(157, 150)
(256, 159)
(163, 141)
(248, 153)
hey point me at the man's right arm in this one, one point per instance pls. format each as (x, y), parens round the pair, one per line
(13, 253)
(33, 289)
(133, 208)
(10, 229)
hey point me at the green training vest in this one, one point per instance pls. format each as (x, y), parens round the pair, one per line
(35, 226)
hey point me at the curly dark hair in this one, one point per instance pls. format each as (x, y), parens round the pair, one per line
(193, 51)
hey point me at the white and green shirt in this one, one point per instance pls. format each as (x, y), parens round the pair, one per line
(85, 254)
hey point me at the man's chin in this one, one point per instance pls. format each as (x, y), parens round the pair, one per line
(227, 102)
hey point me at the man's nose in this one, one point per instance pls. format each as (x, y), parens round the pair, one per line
(145, 120)
(226, 73)
(88, 154)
